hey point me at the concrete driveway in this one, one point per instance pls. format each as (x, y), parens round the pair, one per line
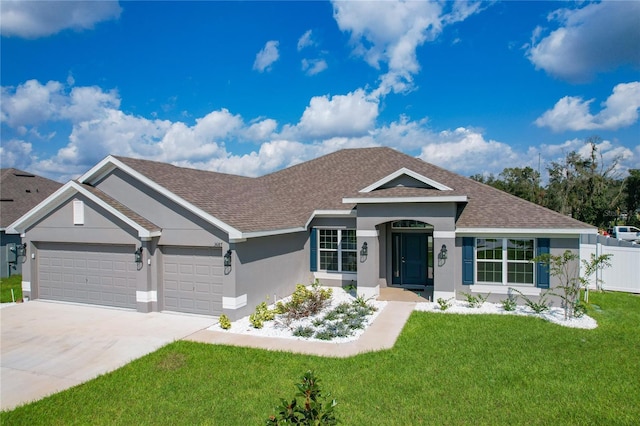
(47, 347)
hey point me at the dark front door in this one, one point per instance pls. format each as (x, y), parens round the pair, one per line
(410, 259)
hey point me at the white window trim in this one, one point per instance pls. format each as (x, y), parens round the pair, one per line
(339, 250)
(505, 261)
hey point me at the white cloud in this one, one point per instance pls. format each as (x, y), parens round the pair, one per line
(314, 66)
(99, 127)
(352, 114)
(267, 56)
(33, 19)
(31, 103)
(572, 112)
(462, 150)
(260, 130)
(389, 32)
(15, 153)
(305, 40)
(596, 38)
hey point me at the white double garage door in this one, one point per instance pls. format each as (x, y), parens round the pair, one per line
(191, 277)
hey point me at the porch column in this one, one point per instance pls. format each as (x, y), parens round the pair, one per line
(368, 263)
(444, 271)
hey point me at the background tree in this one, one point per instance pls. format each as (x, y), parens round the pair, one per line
(584, 188)
(632, 199)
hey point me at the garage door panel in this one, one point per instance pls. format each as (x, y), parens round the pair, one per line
(96, 274)
(192, 280)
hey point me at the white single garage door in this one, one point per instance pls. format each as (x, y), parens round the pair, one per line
(192, 278)
(87, 273)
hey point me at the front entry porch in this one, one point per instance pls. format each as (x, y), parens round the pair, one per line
(412, 259)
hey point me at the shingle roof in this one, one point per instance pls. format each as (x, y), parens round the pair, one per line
(287, 198)
(21, 191)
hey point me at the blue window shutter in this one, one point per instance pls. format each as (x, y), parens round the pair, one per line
(542, 271)
(467, 260)
(313, 250)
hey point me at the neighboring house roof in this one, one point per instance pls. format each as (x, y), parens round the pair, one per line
(20, 191)
(333, 184)
(287, 199)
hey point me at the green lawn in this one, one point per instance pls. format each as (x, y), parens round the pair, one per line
(6, 284)
(444, 369)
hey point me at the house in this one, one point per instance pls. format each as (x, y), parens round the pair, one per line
(151, 236)
(19, 192)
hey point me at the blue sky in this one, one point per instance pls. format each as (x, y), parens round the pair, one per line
(253, 87)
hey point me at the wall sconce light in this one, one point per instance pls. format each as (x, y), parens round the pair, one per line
(138, 255)
(443, 252)
(227, 259)
(364, 251)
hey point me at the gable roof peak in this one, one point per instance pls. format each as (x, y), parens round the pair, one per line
(416, 180)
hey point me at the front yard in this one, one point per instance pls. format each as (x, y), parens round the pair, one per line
(444, 369)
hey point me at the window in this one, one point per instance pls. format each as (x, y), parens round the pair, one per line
(338, 251)
(505, 261)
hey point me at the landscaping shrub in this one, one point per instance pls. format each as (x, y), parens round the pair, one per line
(311, 411)
(262, 314)
(444, 303)
(225, 322)
(508, 304)
(538, 307)
(305, 302)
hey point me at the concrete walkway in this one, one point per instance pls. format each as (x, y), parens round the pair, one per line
(382, 334)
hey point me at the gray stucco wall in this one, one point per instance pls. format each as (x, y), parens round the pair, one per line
(179, 226)
(557, 247)
(269, 267)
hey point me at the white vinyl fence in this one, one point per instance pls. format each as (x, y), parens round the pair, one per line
(624, 272)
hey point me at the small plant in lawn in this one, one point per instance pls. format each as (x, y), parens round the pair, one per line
(566, 269)
(305, 302)
(355, 323)
(538, 307)
(323, 335)
(482, 299)
(508, 304)
(331, 315)
(351, 288)
(303, 331)
(444, 303)
(471, 299)
(475, 301)
(361, 301)
(311, 411)
(342, 308)
(224, 322)
(580, 309)
(262, 314)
